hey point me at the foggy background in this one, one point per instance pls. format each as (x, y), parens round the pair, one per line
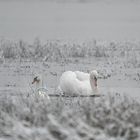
(70, 19)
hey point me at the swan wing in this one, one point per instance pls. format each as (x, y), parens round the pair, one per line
(68, 82)
(82, 76)
(75, 83)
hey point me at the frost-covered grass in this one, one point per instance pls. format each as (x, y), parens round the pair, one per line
(125, 53)
(33, 117)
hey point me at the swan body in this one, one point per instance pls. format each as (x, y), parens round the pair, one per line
(79, 82)
(82, 76)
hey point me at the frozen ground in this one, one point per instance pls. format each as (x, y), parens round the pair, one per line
(33, 117)
(26, 115)
(18, 77)
(118, 64)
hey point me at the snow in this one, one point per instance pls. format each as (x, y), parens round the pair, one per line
(67, 31)
(25, 114)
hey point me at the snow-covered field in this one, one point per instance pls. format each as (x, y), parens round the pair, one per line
(25, 115)
(65, 32)
(118, 63)
(33, 117)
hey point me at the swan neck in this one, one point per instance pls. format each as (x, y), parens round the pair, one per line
(40, 83)
(93, 83)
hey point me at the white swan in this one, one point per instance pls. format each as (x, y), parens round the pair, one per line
(40, 86)
(79, 82)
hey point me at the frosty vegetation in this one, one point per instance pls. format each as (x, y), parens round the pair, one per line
(29, 116)
(33, 117)
(60, 51)
(108, 55)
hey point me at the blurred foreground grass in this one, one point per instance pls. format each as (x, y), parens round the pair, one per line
(33, 117)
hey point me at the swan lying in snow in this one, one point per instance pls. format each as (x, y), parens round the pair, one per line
(79, 83)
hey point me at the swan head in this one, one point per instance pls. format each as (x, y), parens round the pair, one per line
(93, 79)
(36, 79)
(94, 73)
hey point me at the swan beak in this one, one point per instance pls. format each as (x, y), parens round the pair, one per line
(35, 80)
